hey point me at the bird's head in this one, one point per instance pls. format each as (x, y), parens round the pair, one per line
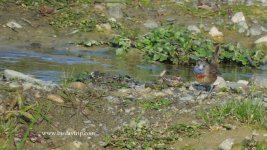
(200, 67)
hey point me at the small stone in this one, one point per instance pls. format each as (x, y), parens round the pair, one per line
(187, 98)
(77, 85)
(226, 144)
(55, 98)
(238, 17)
(112, 99)
(115, 10)
(75, 145)
(13, 25)
(112, 20)
(151, 24)
(193, 28)
(99, 8)
(27, 86)
(215, 32)
(106, 27)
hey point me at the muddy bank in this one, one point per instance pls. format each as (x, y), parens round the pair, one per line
(116, 111)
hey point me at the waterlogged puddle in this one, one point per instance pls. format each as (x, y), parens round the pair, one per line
(61, 63)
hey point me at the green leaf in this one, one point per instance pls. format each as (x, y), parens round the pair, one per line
(119, 51)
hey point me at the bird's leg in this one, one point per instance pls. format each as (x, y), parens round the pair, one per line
(211, 87)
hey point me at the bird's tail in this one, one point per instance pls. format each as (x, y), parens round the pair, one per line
(215, 57)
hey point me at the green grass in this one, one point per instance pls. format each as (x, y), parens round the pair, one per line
(248, 111)
(19, 112)
(156, 104)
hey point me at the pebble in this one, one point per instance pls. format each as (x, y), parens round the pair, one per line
(77, 85)
(151, 24)
(13, 25)
(227, 144)
(193, 28)
(238, 17)
(55, 98)
(215, 32)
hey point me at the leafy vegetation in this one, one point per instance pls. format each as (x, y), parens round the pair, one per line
(248, 111)
(177, 45)
(189, 130)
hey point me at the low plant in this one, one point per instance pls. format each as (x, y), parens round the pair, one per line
(247, 111)
(179, 46)
(156, 103)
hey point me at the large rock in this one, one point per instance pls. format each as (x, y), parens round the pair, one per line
(11, 74)
(259, 80)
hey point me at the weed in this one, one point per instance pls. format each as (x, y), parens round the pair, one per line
(189, 130)
(177, 45)
(18, 112)
(248, 111)
(253, 143)
(156, 103)
(140, 136)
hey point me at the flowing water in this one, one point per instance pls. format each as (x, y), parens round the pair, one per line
(59, 63)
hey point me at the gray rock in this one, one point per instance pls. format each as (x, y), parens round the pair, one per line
(237, 86)
(151, 24)
(259, 81)
(255, 30)
(115, 10)
(238, 17)
(193, 28)
(242, 26)
(227, 144)
(220, 83)
(11, 74)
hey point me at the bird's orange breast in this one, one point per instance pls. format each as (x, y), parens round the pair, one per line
(200, 76)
